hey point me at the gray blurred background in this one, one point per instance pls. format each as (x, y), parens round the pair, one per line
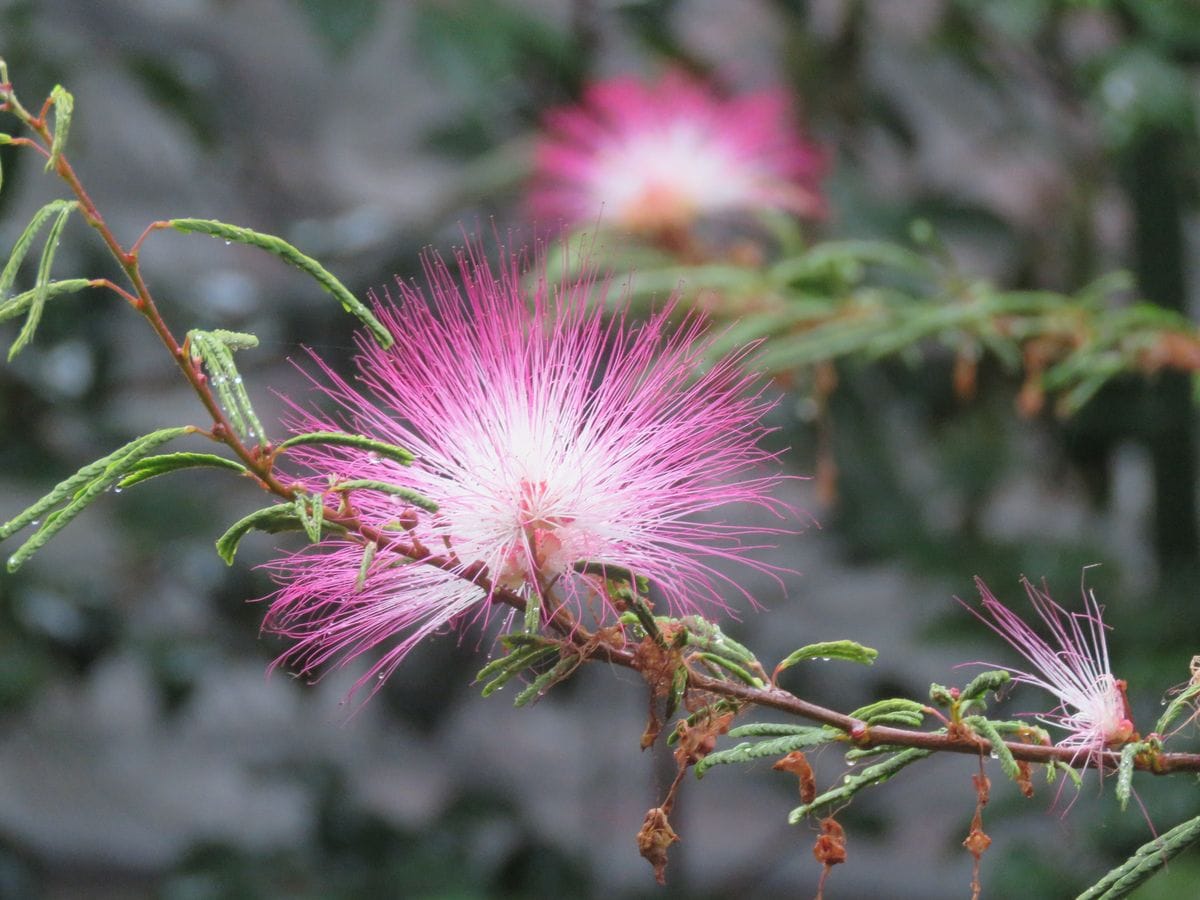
(144, 752)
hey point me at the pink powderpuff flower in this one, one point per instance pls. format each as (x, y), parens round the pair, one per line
(652, 158)
(547, 435)
(1072, 665)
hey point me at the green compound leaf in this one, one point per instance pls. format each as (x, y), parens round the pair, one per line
(1000, 751)
(715, 660)
(310, 511)
(8, 275)
(540, 685)
(215, 350)
(366, 484)
(941, 695)
(852, 784)
(271, 519)
(1125, 771)
(706, 635)
(1145, 862)
(60, 210)
(16, 305)
(857, 754)
(1185, 699)
(289, 254)
(896, 711)
(41, 285)
(153, 466)
(364, 567)
(810, 736)
(989, 682)
(64, 105)
(500, 671)
(344, 439)
(768, 729)
(847, 650)
(69, 497)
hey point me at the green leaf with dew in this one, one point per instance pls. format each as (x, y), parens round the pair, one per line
(153, 466)
(384, 487)
(271, 519)
(71, 496)
(846, 650)
(289, 254)
(1185, 699)
(19, 303)
(810, 736)
(540, 685)
(1125, 772)
(1000, 751)
(344, 439)
(853, 783)
(215, 350)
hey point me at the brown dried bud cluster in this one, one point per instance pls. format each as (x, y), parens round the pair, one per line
(698, 740)
(797, 763)
(653, 840)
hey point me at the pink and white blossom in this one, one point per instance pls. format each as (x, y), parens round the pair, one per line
(654, 157)
(1072, 664)
(548, 435)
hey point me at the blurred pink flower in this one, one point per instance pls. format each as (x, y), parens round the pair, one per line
(547, 435)
(1072, 665)
(654, 157)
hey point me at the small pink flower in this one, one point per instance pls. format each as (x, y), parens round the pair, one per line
(548, 436)
(1072, 665)
(653, 158)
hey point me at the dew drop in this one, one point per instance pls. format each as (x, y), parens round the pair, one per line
(847, 779)
(994, 755)
(379, 677)
(373, 456)
(1162, 702)
(238, 380)
(36, 522)
(117, 489)
(824, 658)
(12, 561)
(227, 243)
